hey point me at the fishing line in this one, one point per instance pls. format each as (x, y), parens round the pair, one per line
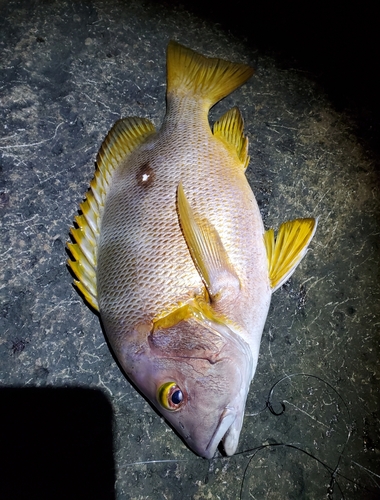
(333, 471)
(286, 377)
(270, 408)
(252, 453)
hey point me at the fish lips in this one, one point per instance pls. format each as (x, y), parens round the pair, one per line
(226, 422)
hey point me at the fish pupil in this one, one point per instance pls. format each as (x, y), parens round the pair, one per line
(177, 397)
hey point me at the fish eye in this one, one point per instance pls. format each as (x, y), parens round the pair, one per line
(170, 396)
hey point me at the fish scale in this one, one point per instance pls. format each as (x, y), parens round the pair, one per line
(171, 250)
(153, 215)
(152, 210)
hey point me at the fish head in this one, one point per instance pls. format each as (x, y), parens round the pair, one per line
(197, 375)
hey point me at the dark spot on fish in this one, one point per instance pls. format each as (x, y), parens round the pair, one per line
(145, 175)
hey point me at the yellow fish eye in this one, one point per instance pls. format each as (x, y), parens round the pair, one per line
(170, 396)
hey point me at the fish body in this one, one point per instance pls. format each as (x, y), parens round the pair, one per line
(172, 251)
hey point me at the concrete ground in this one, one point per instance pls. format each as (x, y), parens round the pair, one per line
(71, 425)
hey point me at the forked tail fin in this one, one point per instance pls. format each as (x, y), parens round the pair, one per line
(209, 79)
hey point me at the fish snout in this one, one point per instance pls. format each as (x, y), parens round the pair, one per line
(231, 437)
(226, 420)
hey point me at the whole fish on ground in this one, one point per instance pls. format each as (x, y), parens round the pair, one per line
(170, 248)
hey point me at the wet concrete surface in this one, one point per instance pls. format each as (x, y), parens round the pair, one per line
(69, 70)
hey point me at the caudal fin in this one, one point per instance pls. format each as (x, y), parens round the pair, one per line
(210, 79)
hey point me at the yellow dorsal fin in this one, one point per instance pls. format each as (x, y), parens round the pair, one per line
(207, 251)
(230, 128)
(288, 249)
(121, 140)
(211, 79)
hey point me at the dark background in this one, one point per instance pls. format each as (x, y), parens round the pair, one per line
(71, 426)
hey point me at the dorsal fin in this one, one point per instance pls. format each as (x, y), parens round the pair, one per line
(209, 79)
(230, 128)
(121, 140)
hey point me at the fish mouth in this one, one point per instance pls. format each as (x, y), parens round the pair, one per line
(227, 418)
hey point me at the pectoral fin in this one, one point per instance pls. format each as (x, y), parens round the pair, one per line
(207, 251)
(287, 250)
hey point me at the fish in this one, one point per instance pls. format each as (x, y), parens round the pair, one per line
(170, 248)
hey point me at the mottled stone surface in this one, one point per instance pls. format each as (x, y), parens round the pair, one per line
(68, 71)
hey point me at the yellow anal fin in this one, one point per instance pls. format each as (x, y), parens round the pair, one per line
(210, 79)
(207, 251)
(287, 250)
(230, 128)
(125, 136)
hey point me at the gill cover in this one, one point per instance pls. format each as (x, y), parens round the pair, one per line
(197, 374)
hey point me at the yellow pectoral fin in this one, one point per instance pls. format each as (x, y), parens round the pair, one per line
(207, 251)
(287, 250)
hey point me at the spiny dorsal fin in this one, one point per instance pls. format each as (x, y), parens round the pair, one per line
(288, 249)
(121, 140)
(230, 128)
(211, 79)
(208, 253)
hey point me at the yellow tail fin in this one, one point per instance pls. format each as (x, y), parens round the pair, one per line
(211, 79)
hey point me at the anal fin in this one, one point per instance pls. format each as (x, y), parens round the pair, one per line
(230, 128)
(287, 250)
